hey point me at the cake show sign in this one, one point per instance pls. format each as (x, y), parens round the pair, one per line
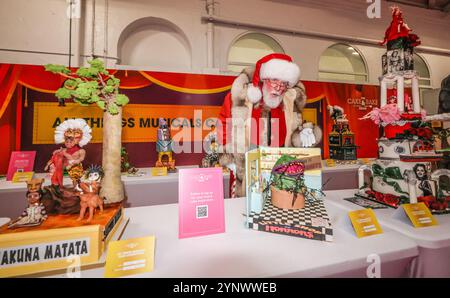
(363, 103)
(139, 121)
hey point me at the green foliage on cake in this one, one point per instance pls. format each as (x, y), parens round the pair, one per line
(287, 174)
(89, 85)
(389, 175)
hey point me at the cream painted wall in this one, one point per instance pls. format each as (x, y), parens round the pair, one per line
(42, 25)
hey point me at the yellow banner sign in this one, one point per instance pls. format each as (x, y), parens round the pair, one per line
(139, 121)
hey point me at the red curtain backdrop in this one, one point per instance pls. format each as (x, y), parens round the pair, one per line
(17, 81)
(366, 132)
(9, 75)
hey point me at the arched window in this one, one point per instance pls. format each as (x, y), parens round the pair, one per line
(249, 48)
(424, 75)
(342, 62)
(154, 43)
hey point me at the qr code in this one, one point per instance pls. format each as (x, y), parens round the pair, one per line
(202, 211)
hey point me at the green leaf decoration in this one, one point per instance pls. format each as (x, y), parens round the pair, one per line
(388, 175)
(87, 72)
(101, 104)
(394, 173)
(113, 82)
(94, 98)
(83, 72)
(63, 93)
(389, 172)
(71, 84)
(56, 68)
(91, 85)
(109, 89)
(97, 63)
(82, 94)
(83, 103)
(122, 99)
(113, 109)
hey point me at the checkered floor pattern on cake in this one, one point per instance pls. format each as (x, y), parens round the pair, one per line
(313, 215)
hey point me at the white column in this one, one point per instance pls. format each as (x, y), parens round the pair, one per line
(74, 11)
(383, 95)
(210, 35)
(412, 192)
(401, 93)
(361, 177)
(415, 94)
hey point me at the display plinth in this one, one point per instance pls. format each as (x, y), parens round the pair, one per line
(310, 222)
(54, 244)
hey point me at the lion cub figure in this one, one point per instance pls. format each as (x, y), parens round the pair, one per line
(89, 195)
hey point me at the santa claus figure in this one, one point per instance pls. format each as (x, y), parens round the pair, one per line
(263, 109)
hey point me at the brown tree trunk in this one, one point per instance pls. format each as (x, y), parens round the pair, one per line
(112, 186)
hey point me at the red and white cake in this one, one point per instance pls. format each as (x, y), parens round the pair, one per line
(407, 170)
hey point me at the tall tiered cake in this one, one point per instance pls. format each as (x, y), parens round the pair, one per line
(407, 168)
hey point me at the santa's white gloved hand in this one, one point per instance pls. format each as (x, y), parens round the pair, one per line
(307, 137)
(232, 167)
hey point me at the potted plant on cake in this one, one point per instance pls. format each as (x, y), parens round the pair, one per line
(288, 189)
(94, 85)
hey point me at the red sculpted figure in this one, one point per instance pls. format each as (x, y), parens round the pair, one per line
(399, 29)
(74, 133)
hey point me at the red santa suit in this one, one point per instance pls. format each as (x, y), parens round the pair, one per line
(244, 117)
(278, 131)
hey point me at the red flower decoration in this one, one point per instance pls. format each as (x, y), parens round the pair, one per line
(416, 116)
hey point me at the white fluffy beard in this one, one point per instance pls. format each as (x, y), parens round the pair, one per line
(271, 100)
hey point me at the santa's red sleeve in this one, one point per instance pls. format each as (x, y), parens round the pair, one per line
(225, 113)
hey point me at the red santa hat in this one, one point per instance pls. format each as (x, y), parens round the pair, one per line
(273, 66)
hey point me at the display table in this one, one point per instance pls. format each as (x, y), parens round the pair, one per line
(146, 190)
(4, 220)
(340, 176)
(241, 252)
(433, 242)
(166, 187)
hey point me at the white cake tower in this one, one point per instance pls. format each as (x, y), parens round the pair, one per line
(407, 157)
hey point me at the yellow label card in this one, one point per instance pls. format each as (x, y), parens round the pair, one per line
(365, 223)
(420, 215)
(161, 171)
(128, 257)
(22, 177)
(330, 163)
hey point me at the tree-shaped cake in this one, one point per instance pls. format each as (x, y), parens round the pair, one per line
(95, 86)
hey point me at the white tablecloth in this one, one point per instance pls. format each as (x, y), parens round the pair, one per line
(160, 190)
(241, 252)
(433, 242)
(4, 220)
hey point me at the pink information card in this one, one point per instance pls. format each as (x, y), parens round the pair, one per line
(21, 161)
(200, 202)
